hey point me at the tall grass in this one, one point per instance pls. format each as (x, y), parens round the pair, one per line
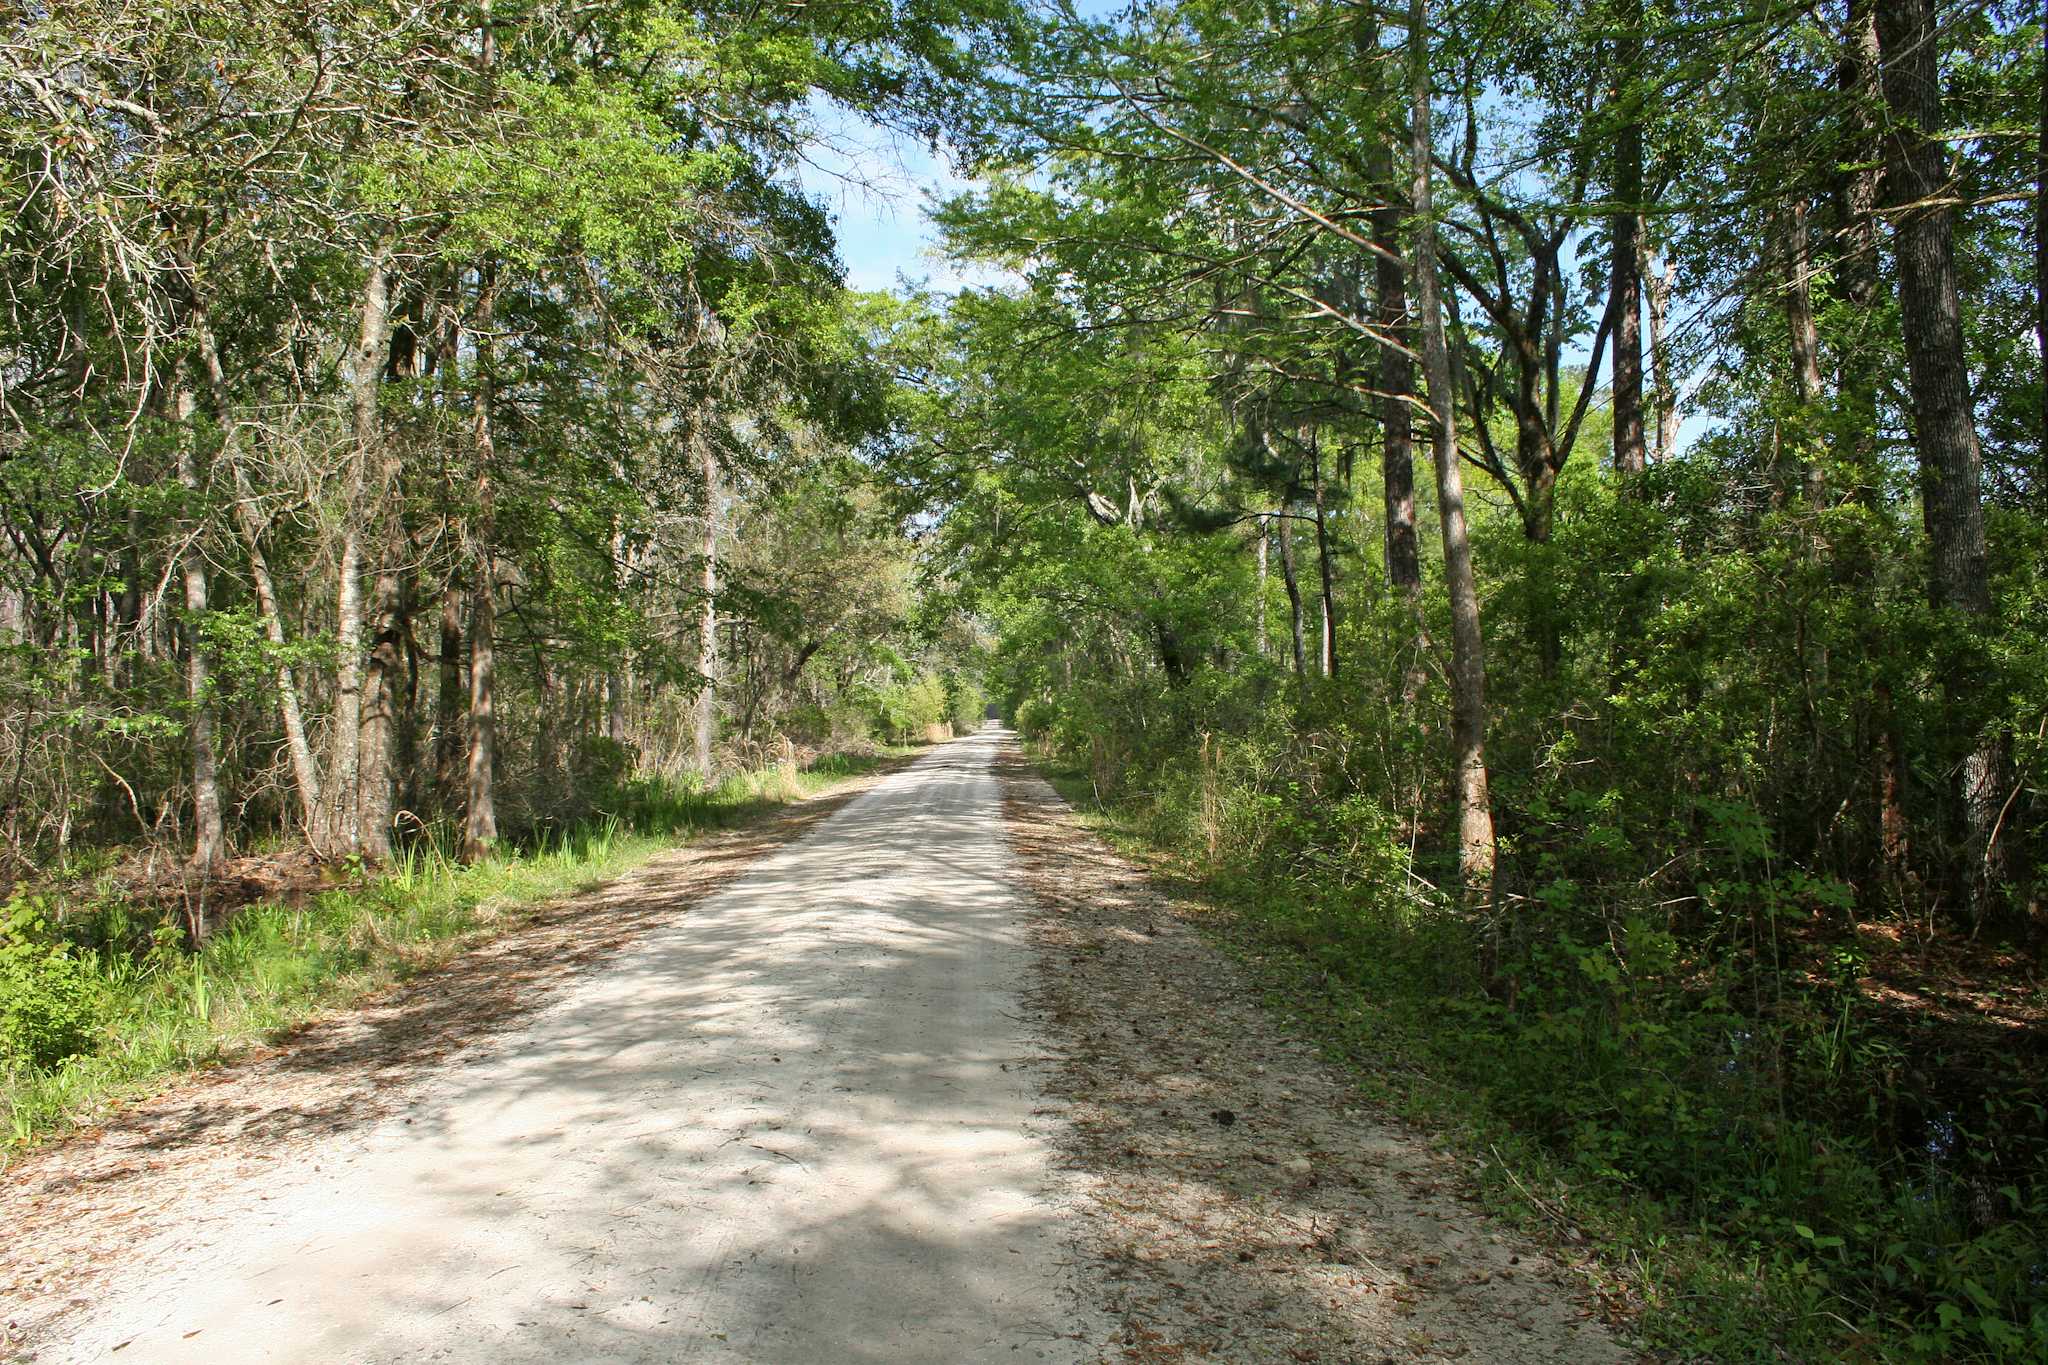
(165, 1009)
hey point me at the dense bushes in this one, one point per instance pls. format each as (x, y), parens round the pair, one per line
(49, 1004)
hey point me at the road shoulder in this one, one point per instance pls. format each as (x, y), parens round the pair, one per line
(1245, 1203)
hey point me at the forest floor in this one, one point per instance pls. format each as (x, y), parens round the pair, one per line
(927, 1074)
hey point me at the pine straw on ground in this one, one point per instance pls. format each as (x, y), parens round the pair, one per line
(71, 1209)
(1243, 1204)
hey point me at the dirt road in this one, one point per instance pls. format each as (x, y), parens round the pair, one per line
(938, 1078)
(793, 1124)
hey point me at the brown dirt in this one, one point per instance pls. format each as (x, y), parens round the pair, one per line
(71, 1207)
(1245, 1203)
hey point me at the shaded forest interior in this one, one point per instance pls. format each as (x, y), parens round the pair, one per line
(431, 430)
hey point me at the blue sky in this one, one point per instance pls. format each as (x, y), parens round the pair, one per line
(877, 185)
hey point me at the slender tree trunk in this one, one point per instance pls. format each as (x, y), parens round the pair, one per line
(366, 366)
(1468, 652)
(1626, 284)
(480, 831)
(1930, 320)
(615, 682)
(1856, 272)
(382, 697)
(449, 700)
(1264, 537)
(1396, 381)
(707, 620)
(2041, 250)
(1292, 581)
(305, 772)
(1325, 569)
(385, 690)
(209, 840)
(1658, 276)
(1893, 832)
(1798, 471)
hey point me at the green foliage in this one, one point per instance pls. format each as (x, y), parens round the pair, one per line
(49, 1002)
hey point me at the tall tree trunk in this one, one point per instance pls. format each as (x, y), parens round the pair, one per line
(305, 772)
(449, 700)
(344, 834)
(1856, 266)
(1930, 320)
(480, 830)
(209, 838)
(383, 694)
(1396, 382)
(1468, 652)
(707, 620)
(1397, 417)
(1325, 569)
(1798, 471)
(615, 682)
(1658, 276)
(2041, 250)
(1625, 283)
(385, 688)
(1264, 548)
(1292, 581)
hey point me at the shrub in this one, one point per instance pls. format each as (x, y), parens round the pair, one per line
(48, 1007)
(1035, 718)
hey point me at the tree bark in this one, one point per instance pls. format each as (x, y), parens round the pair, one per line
(1856, 263)
(1325, 570)
(1625, 283)
(1396, 382)
(1263, 551)
(385, 690)
(2041, 252)
(344, 834)
(707, 620)
(480, 831)
(1930, 320)
(1292, 582)
(1468, 653)
(1658, 276)
(449, 700)
(1798, 471)
(209, 838)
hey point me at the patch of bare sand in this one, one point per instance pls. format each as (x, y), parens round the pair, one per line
(187, 1155)
(1245, 1205)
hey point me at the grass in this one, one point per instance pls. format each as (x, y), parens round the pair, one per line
(163, 1010)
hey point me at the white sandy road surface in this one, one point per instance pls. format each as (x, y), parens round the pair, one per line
(795, 1124)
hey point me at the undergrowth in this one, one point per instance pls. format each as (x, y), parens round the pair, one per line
(98, 999)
